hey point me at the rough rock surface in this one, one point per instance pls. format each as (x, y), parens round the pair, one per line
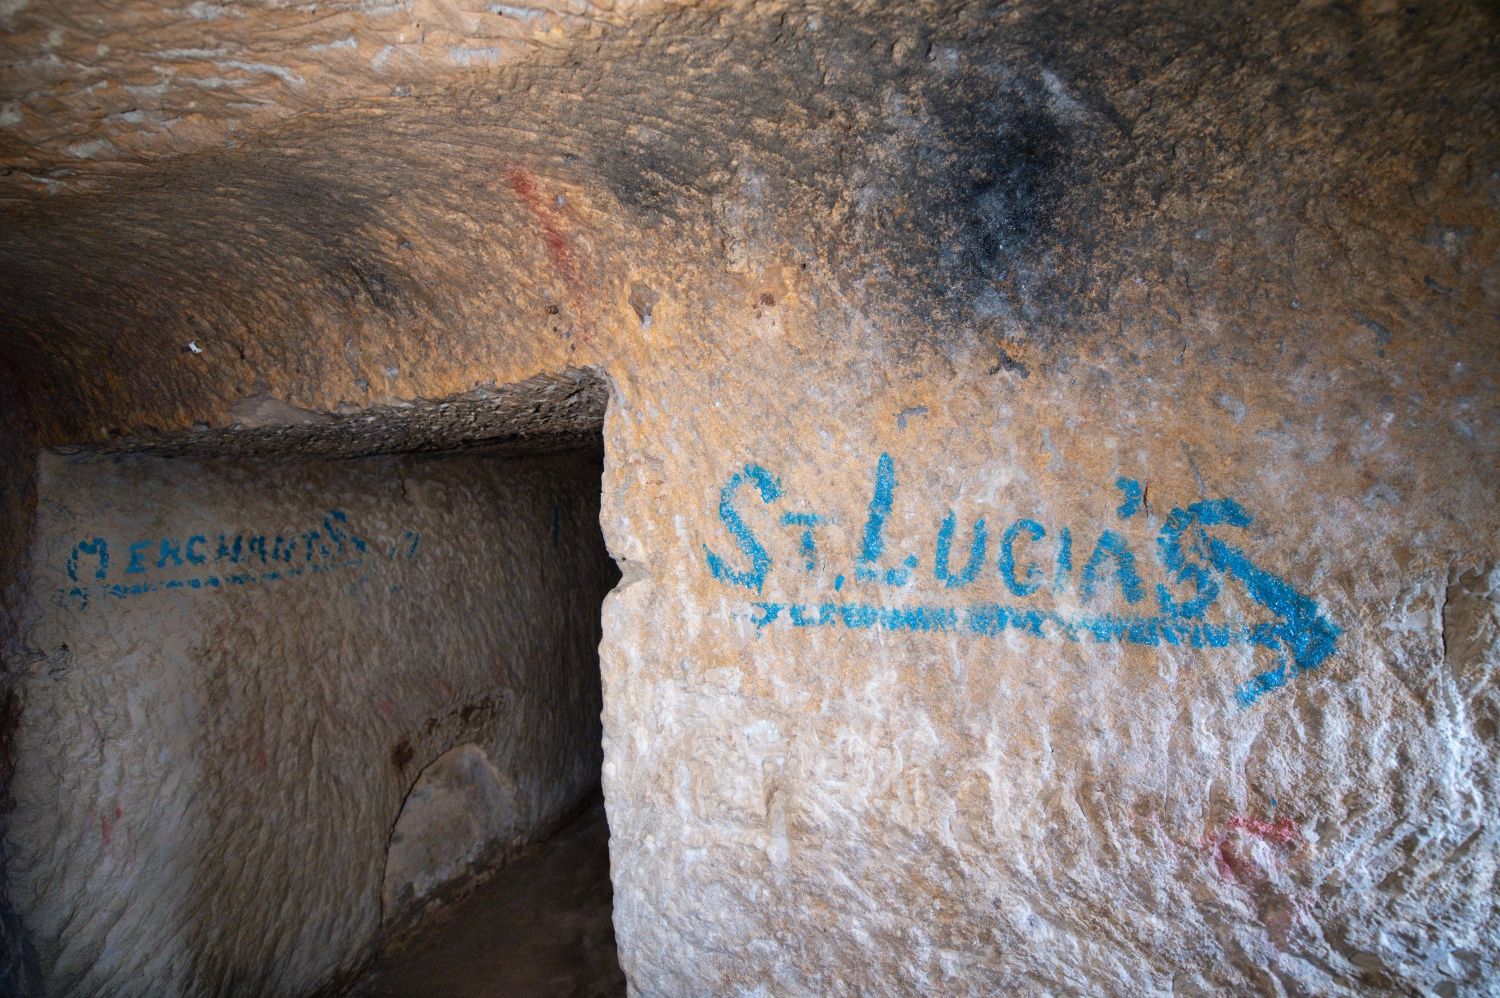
(458, 809)
(89, 88)
(242, 684)
(540, 927)
(1194, 305)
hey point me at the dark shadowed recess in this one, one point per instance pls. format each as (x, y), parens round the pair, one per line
(549, 412)
(539, 927)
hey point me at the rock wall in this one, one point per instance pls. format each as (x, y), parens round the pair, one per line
(1192, 306)
(17, 506)
(247, 666)
(19, 969)
(87, 90)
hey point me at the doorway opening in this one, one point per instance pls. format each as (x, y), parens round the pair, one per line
(497, 873)
(352, 663)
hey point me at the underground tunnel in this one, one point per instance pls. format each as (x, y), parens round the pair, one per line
(369, 643)
(825, 497)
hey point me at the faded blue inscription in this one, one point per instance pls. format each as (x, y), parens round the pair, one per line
(944, 544)
(1112, 547)
(760, 560)
(1034, 564)
(1036, 532)
(226, 560)
(1135, 497)
(807, 521)
(874, 544)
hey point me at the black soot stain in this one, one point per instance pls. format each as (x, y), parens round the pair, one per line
(956, 185)
(366, 280)
(1005, 362)
(978, 198)
(998, 186)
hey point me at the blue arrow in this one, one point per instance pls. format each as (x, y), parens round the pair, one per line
(1302, 630)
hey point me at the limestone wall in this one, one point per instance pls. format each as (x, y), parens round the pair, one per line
(1193, 305)
(1046, 706)
(246, 668)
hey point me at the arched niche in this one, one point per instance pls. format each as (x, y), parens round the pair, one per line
(460, 814)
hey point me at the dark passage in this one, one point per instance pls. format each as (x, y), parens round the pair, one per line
(540, 927)
(366, 655)
(479, 898)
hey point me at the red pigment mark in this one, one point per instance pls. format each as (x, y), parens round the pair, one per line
(251, 748)
(387, 708)
(1283, 832)
(563, 258)
(1230, 866)
(1229, 863)
(443, 688)
(106, 826)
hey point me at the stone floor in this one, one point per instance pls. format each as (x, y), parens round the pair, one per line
(540, 928)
